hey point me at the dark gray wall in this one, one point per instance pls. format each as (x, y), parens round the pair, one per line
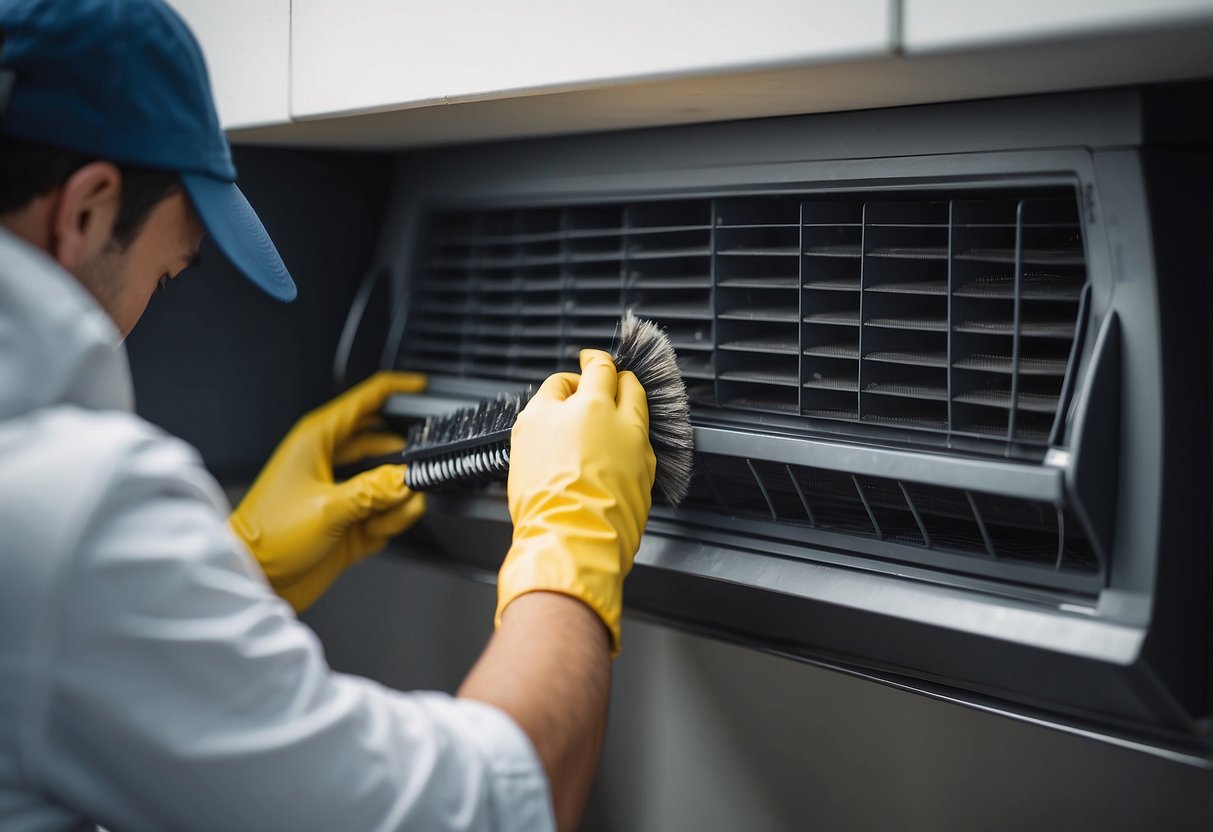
(219, 362)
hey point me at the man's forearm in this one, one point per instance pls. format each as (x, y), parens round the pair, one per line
(548, 666)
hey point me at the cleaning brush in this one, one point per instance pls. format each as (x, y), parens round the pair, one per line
(471, 446)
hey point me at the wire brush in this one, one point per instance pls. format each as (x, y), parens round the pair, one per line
(471, 446)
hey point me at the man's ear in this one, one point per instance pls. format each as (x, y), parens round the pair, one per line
(83, 219)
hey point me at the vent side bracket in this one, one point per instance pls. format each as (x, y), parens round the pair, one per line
(1092, 478)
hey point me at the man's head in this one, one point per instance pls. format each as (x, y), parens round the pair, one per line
(111, 156)
(122, 230)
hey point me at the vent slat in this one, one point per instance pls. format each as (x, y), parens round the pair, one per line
(908, 391)
(589, 310)
(825, 413)
(516, 351)
(1004, 364)
(440, 327)
(920, 359)
(842, 284)
(1029, 329)
(746, 225)
(911, 252)
(752, 402)
(929, 287)
(533, 285)
(920, 324)
(849, 384)
(1048, 257)
(909, 421)
(759, 252)
(683, 345)
(761, 376)
(584, 257)
(833, 351)
(577, 283)
(1033, 287)
(773, 282)
(703, 282)
(591, 335)
(521, 329)
(678, 311)
(497, 311)
(436, 365)
(669, 254)
(557, 236)
(776, 314)
(1035, 402)
(833, 318)
(779, 346)
(437, 344)
(434, 307)
(834, 251)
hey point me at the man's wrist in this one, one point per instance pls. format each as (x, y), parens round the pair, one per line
(554, 603)
(570, 610)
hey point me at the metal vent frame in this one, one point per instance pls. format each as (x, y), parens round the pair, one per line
(536, 282)
(1115, 659)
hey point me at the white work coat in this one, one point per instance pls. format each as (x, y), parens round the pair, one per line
(149, 677)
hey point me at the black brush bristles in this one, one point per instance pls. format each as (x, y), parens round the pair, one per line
(471, 446)
(645, 350)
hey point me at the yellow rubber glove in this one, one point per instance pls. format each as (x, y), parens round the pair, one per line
(580, 489)
(303, 528)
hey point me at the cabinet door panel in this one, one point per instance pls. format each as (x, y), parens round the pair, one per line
(247, 49)
(931, 25)
(386, 54)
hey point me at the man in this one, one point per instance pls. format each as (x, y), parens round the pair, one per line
(150, 677)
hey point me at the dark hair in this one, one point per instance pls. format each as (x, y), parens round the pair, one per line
(28, 169)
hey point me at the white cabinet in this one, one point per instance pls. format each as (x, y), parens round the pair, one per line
(406, 73)
(247, 47)
(931, 25)
(392, 54)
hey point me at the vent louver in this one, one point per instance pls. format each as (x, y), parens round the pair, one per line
(1024, 540)
(930, 313)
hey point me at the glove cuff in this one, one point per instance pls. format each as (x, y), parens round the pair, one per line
(527, 570)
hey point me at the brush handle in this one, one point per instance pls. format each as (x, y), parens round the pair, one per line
(478, 459)
(474, 465)
(368, 463)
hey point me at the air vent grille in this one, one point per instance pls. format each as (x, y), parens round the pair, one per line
(930, 313)
(1015, 539)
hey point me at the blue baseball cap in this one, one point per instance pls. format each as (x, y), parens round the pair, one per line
(124, 80)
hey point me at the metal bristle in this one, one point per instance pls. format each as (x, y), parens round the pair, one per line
(471, 446)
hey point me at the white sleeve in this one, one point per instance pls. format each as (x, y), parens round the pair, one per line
(185, 695)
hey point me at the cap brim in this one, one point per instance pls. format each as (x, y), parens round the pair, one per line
(239, 234)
